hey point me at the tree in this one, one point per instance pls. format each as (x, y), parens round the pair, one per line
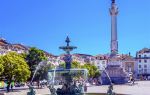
(15, 68)
(62, 65)
(1, 68)
(33, 58)
(92, 70)
(75, 64)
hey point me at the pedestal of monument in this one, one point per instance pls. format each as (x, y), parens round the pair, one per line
(115, 71)
(116, 74)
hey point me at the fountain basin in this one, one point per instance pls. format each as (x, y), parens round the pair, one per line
(72, 81)
(99, 94)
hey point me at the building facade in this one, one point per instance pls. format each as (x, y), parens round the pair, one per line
(101, 62)
(143, 63)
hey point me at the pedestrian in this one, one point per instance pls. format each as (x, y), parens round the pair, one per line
(38, 83)
(12, 87)
(85, 87)
(133, 81)
(8, 85)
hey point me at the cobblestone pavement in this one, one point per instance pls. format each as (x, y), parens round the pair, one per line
(140, 88)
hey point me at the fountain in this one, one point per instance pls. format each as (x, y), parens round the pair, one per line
(69, 86)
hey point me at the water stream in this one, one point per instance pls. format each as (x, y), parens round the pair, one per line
(54, 74)
(42, 63)
(108, 76)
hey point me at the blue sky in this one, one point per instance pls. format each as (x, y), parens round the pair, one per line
(45, 24)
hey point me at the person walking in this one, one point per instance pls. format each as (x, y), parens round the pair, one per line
(8, 85)
(12, 87)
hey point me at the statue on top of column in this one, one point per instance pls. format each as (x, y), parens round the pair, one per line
(113, 1)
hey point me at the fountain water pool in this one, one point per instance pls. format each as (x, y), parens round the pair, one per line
(67, 81)
(100, 94)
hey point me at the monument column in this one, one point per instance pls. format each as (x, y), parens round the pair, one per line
(114, 41)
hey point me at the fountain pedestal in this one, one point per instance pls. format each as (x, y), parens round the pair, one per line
(31, 90)
(52, 90)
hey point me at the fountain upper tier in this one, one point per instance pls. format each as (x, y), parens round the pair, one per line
(67, 48)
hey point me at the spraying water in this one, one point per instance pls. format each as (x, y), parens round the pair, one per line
(42, 63)
(108, 76)
(54, 76)
(110, 87)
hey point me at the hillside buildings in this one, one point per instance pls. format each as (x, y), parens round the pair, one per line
(6, 47)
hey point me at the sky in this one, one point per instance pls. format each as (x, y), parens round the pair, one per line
(46, 23)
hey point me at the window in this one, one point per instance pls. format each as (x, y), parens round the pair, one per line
(145, 66)
(139, 61)
(103, 62)
(140, 71)
(145, 56)
(145, 70)
(139, 66)
(139, 56)
(104, 57)
(145, 61)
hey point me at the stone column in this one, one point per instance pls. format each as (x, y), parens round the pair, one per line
(114, 40)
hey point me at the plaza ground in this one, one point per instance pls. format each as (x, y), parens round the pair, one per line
(140, 88)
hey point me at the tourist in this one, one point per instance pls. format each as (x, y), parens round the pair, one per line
(8, 84)
(85, 87)
(133, 81)
(12, 87)
(64, 88)
(38, 83)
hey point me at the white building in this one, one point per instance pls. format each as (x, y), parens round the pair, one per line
(143, 63)
(101, 62)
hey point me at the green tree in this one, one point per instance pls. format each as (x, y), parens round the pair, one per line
(33, 58)
(75, 64)
(62, 65)
(1, 68)
(92, 70)
(15, 68)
